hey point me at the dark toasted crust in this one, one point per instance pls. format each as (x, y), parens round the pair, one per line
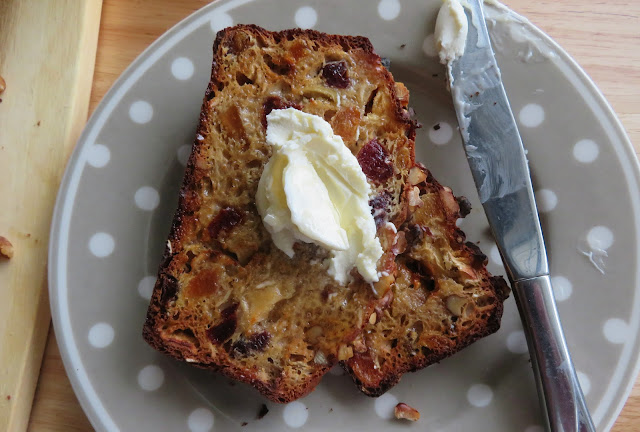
(189, 253)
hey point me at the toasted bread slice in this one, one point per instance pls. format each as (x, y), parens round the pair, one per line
(226, 298)
(442, 299)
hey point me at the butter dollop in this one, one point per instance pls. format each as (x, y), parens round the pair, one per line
(313, 190)
(451, 31)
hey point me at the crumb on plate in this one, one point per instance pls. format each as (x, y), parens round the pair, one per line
(263, 411)
(406, 412)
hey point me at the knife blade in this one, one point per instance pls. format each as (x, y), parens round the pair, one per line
(496, 154)
(500, 169)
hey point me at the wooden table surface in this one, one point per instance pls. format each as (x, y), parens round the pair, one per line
(604, 37)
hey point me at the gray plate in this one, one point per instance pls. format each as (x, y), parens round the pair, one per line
(120, 191)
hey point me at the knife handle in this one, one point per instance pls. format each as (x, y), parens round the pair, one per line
(558, 385)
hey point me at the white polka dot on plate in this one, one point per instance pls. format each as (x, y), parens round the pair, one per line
(150, 378)
(517, 342)
(147, 198)
(600, 237)
(220, 20)
(101, 335)
(145, 287)
(494, 255)
(546, 200)
(183, 153)
(101, 244)
(385, 406)
(586, 151)
(534, 428)
(389, 9)
(200, 420)
(141, 112)
(98, 155)
(562, 288)
(295, 414)
(585, 382)
(429, 46)
(531, 115)
(480, 395)
(182, 68)
(616, 331)
(306, 17)
(441, 133)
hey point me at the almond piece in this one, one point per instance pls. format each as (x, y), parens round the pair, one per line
(449, 201)
(402, 93)
(414, 197)
(406, 412)
(416, 176)
(359, 346)
(320, 358)
(456, 304)
(345, 352)
(400, 243)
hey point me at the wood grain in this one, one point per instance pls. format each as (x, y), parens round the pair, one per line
(602, 36)
(48, 68)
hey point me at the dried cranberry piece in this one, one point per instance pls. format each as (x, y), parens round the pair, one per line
(256, 342)
(229, 310)
(336, 74)
(240, 349)
(275, 102)
(423, 273)
(414, 234)
(380, 207)
(374, 161)
(169, 289)
(224, 221)
(223, 331)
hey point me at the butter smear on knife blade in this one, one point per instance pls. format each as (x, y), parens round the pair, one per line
(472, 73)
(511, 33)
(451, 31)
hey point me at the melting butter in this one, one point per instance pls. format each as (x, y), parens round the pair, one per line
(313, 190)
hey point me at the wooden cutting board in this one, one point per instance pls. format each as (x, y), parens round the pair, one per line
(602, 36)
(47, 57)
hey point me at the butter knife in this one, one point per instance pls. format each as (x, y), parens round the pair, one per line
(500, 169)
